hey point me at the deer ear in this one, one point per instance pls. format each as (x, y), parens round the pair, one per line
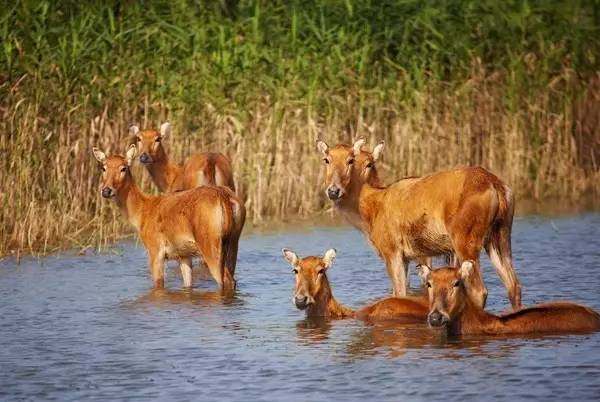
(329, 257)
(424, 271)
(290, 256)
(378, 150)
(357, 146)
(466, 268)
(165, 129)
(131, 153)
(134, 130)
(99, 155)
(323, 147)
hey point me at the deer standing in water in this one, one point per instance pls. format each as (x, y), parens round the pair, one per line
(451, 306)
(206, 168)
(456, 211)
(206, 221)
(313, 294)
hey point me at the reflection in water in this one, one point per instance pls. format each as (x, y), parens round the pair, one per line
(89, 328)
(393, 339)
(157, 297)
(313, 330)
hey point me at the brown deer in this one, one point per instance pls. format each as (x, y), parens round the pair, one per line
(313, 294)
(451, 305)
(455, 211)
(206, 221)
(206, 168)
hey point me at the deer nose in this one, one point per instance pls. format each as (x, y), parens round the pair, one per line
(107, 192)
(145, 158)
(333, 193)
(300, 302)
(436, 319)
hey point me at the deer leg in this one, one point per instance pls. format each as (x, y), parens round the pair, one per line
(185, 264)
(468, 231)
(157, 270)
(507, 274)
(397, 268)
(214, 256)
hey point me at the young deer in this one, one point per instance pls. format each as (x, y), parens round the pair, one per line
(313, 294)
(206, 221)
(450, 305)
(206, 168)
(455, 211)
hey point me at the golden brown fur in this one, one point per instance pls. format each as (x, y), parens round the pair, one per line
(456, 211)
(206, 168)
(450, 305)
(313, 294)
(206, 221)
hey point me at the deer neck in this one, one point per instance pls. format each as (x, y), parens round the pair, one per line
(349, 205)
(164, 173)
(326, 306)
(472, 320)
(369, 203)
(132, 203)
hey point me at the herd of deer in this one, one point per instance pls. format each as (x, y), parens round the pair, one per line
(454, 213)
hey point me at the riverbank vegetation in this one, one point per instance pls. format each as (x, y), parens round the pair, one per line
(512, 85)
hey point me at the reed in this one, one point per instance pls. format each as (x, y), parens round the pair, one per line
(513, 86)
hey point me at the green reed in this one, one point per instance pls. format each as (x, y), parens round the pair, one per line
(511, 85)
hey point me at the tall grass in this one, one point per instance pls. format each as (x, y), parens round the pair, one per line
(513, 86)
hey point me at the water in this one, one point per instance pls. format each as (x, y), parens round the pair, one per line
(89, 328)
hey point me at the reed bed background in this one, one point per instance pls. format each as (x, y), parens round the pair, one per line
(512, 85)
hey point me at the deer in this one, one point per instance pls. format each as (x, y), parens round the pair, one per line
(205, 221)
(452, 307)
(206, 168)
(313, 294)
(454, 212)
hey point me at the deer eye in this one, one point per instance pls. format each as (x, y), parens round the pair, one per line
(428, 284)
(295, 271)
(326, 161)
(456, 284)
(103, 168)
(157, 139)
(137, 139)
(370, 164)
(123, 169)
(320, 272)
(350, 162)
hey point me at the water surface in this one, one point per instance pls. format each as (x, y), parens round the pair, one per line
(90, 328)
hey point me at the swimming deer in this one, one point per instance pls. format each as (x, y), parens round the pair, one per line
(206, 221)
(206, 168)
(455, 211)
(451, 306)
(313, 294)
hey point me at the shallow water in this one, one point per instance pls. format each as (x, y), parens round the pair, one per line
(89, 328)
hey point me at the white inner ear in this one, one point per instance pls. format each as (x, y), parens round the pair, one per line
(134, 130)
(378, 150)
(131, 152)
(424, 271)
(329, 257)
(165, 129)
(323, 147)
(465, 269)
(358, 144)
(290, 256)
(99, 155)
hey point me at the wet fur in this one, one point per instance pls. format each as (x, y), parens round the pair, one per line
(205, 221)
(406, 309)
(459, 211)
(467, 318)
